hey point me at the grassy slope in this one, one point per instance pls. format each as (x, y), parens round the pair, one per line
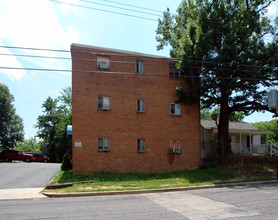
(131, 181)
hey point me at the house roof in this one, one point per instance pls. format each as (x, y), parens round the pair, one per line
(210, 124)
(116, 51)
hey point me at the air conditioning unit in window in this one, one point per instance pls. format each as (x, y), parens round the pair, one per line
(273, 99)
(103, 65)
(175, 150)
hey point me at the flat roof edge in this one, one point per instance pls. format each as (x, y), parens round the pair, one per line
(122, 51)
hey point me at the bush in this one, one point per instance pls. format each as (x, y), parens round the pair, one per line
(67, 163)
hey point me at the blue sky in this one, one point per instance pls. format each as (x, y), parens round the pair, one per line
(52, 25)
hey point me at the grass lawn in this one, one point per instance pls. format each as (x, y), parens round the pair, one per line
(130, 181)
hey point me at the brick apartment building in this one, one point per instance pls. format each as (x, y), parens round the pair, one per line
(124, 115)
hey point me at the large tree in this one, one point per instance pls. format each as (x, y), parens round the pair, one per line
(228, 52)
(11, 125)
(53, 123)
(207, 113)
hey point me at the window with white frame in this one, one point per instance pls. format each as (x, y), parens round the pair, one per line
(139, 66)
(173, 71)
(103, 62)
(103, 144)
(175, 147)
(140, 105)
(140, 145)
(103, 102)
(175, 109)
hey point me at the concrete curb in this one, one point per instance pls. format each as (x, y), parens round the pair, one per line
(63, 185)
(57, 195)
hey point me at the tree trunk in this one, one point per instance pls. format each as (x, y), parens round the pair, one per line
(224, 147)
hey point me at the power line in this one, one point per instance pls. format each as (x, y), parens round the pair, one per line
(92, 53)
(134, 6)
(127, 55)
(33, 48)
(120, 8)
(116, 54)
(128, 73)
(113, 12)
(123, 62)
(35, 56)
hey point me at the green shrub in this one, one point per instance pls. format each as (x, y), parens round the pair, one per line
(67, 163)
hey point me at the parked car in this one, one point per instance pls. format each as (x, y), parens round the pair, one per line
(10, 155)
(37, 157)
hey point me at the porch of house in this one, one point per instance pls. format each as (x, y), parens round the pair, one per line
(244, 138)
(249, 142)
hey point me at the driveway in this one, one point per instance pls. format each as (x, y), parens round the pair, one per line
(25, 180)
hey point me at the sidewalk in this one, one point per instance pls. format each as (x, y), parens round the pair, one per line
(104, 193)
(23, 193)
(34, 193)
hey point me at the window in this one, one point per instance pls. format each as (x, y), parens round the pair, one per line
(139, 67)
(103, 144)
(103, 63)
(174, 72)
(140, 145)
(140, 105)
(175, 109)
(175, 147)
(103, 102)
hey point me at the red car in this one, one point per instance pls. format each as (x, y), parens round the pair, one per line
(10, 155)
(37, 157)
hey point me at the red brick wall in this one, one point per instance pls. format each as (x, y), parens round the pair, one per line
(122, 123)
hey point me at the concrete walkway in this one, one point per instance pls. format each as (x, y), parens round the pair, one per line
(106, 193)
(23, 193)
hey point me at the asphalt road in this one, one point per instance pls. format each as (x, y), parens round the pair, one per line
(248, 202)
(26, 175)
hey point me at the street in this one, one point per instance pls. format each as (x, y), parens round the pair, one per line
(248, 202)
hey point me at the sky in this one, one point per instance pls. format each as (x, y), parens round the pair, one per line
(49, 24)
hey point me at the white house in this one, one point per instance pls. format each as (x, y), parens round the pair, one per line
(244, 137)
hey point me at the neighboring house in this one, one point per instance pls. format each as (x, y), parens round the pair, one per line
(124, 115)
(244, 137)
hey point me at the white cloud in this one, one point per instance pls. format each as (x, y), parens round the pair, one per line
(65, 8)
(10, 61)
(272, 10)
(36, 24)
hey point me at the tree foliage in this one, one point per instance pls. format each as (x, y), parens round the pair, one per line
(271, 126)
(53, 123)
(30, 145)
(11, 125)
(234, 116)
(224, 55)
